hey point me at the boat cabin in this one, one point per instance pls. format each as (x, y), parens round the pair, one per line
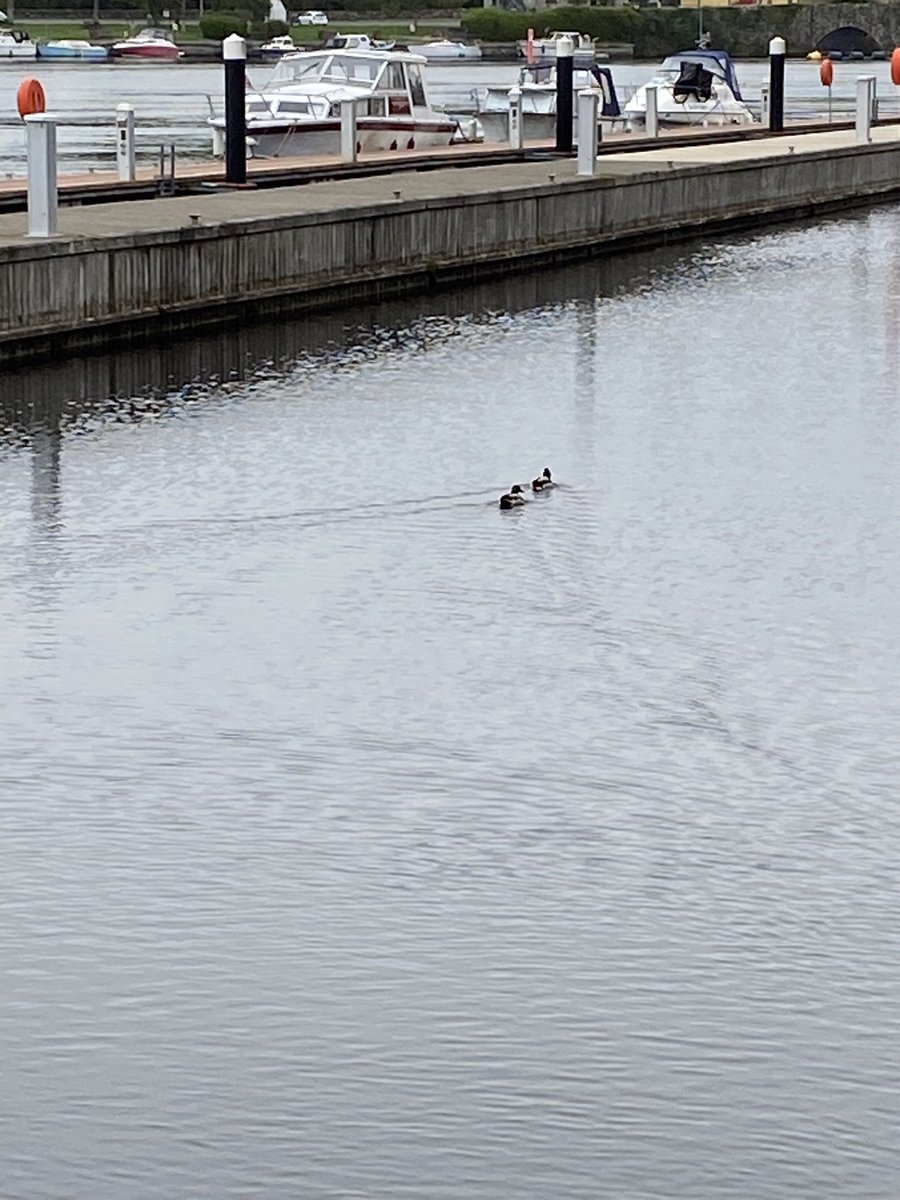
(313, 84)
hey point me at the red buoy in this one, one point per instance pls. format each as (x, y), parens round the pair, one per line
(895, 66)
(826, 72)
(30, 98)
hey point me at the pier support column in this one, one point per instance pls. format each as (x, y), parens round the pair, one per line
(651, 118)
(565, 64)
(516, 126)
(234, 52)
(777, 53)
(40, 130)
(125, 158)
(348, 131)
(587, 131)
(865, 96)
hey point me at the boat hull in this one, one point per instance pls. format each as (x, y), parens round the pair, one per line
(324, 137)
(536, 127)
(53, 53)
(722, 110)
(18, 52)
(450, 53)
(153, 53)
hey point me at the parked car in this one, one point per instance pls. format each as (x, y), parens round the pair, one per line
(313, 17)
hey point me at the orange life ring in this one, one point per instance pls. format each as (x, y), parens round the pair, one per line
(30, 98)
(895, 66)
(826, 72)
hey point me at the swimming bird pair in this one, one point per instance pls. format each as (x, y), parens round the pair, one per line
(515, 498)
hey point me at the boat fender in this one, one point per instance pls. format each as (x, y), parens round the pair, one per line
(30, 98)
(394, 144)
(895, 66)
(826, 72)
(411, 144)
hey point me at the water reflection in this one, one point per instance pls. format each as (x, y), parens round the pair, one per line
(360, 841)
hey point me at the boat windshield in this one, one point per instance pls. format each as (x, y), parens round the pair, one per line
(340, 68)
(671, 67)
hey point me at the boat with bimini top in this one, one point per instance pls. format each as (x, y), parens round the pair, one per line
(693, 87)
(537, 84)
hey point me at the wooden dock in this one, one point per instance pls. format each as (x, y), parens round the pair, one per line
(123, 271)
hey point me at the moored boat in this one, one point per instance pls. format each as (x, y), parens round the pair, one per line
(14, 43)
(694, 87)
(299, 111)
(71, 48)
(537, 84)
(544, 49)
(443, 50)
(150, 44)
(277, 47)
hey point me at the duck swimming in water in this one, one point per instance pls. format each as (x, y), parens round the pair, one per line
(513, 498)
(543, 482)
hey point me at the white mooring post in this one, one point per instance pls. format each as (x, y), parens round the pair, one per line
(587, 131)
(865, 93)
(125, 160)
(764, 106)
(651, 119)
(40, 130)
(516, 127)
(348, 131)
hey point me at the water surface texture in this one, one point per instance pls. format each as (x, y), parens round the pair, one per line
(362, 840)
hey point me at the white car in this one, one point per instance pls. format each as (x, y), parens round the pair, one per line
(3, 18)
(313, 17)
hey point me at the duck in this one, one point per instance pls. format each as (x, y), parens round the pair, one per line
(513, 498)
(543, 482)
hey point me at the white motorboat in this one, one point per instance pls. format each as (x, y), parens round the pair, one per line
(443, 50)
(544, 49)
(695, 87)
(356, 41)
(299, 111)
(16, 44)
(277, 47)
(538, 87)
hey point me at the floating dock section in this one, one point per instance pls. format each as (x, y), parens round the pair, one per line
(123, 271)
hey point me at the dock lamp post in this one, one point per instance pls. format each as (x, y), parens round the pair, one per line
(234, 52)
(565, 95)
(777, 52)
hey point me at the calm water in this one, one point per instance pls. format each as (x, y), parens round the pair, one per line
(362, 840)
(172, 103)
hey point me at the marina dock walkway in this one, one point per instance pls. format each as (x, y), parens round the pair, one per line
(123, 270)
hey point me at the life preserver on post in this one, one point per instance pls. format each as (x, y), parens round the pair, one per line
(895, 66)
(826, 72)
(30, 98)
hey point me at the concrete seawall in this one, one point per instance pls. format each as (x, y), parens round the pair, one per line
(125, 271)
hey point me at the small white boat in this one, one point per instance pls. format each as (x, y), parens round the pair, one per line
(356, 41)
(443, 50)
(276, 47)
(16, 44)
(538, 87)
(149, 43)
(71, 48)
(299, 111)
(695, 87)
(544, 49)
